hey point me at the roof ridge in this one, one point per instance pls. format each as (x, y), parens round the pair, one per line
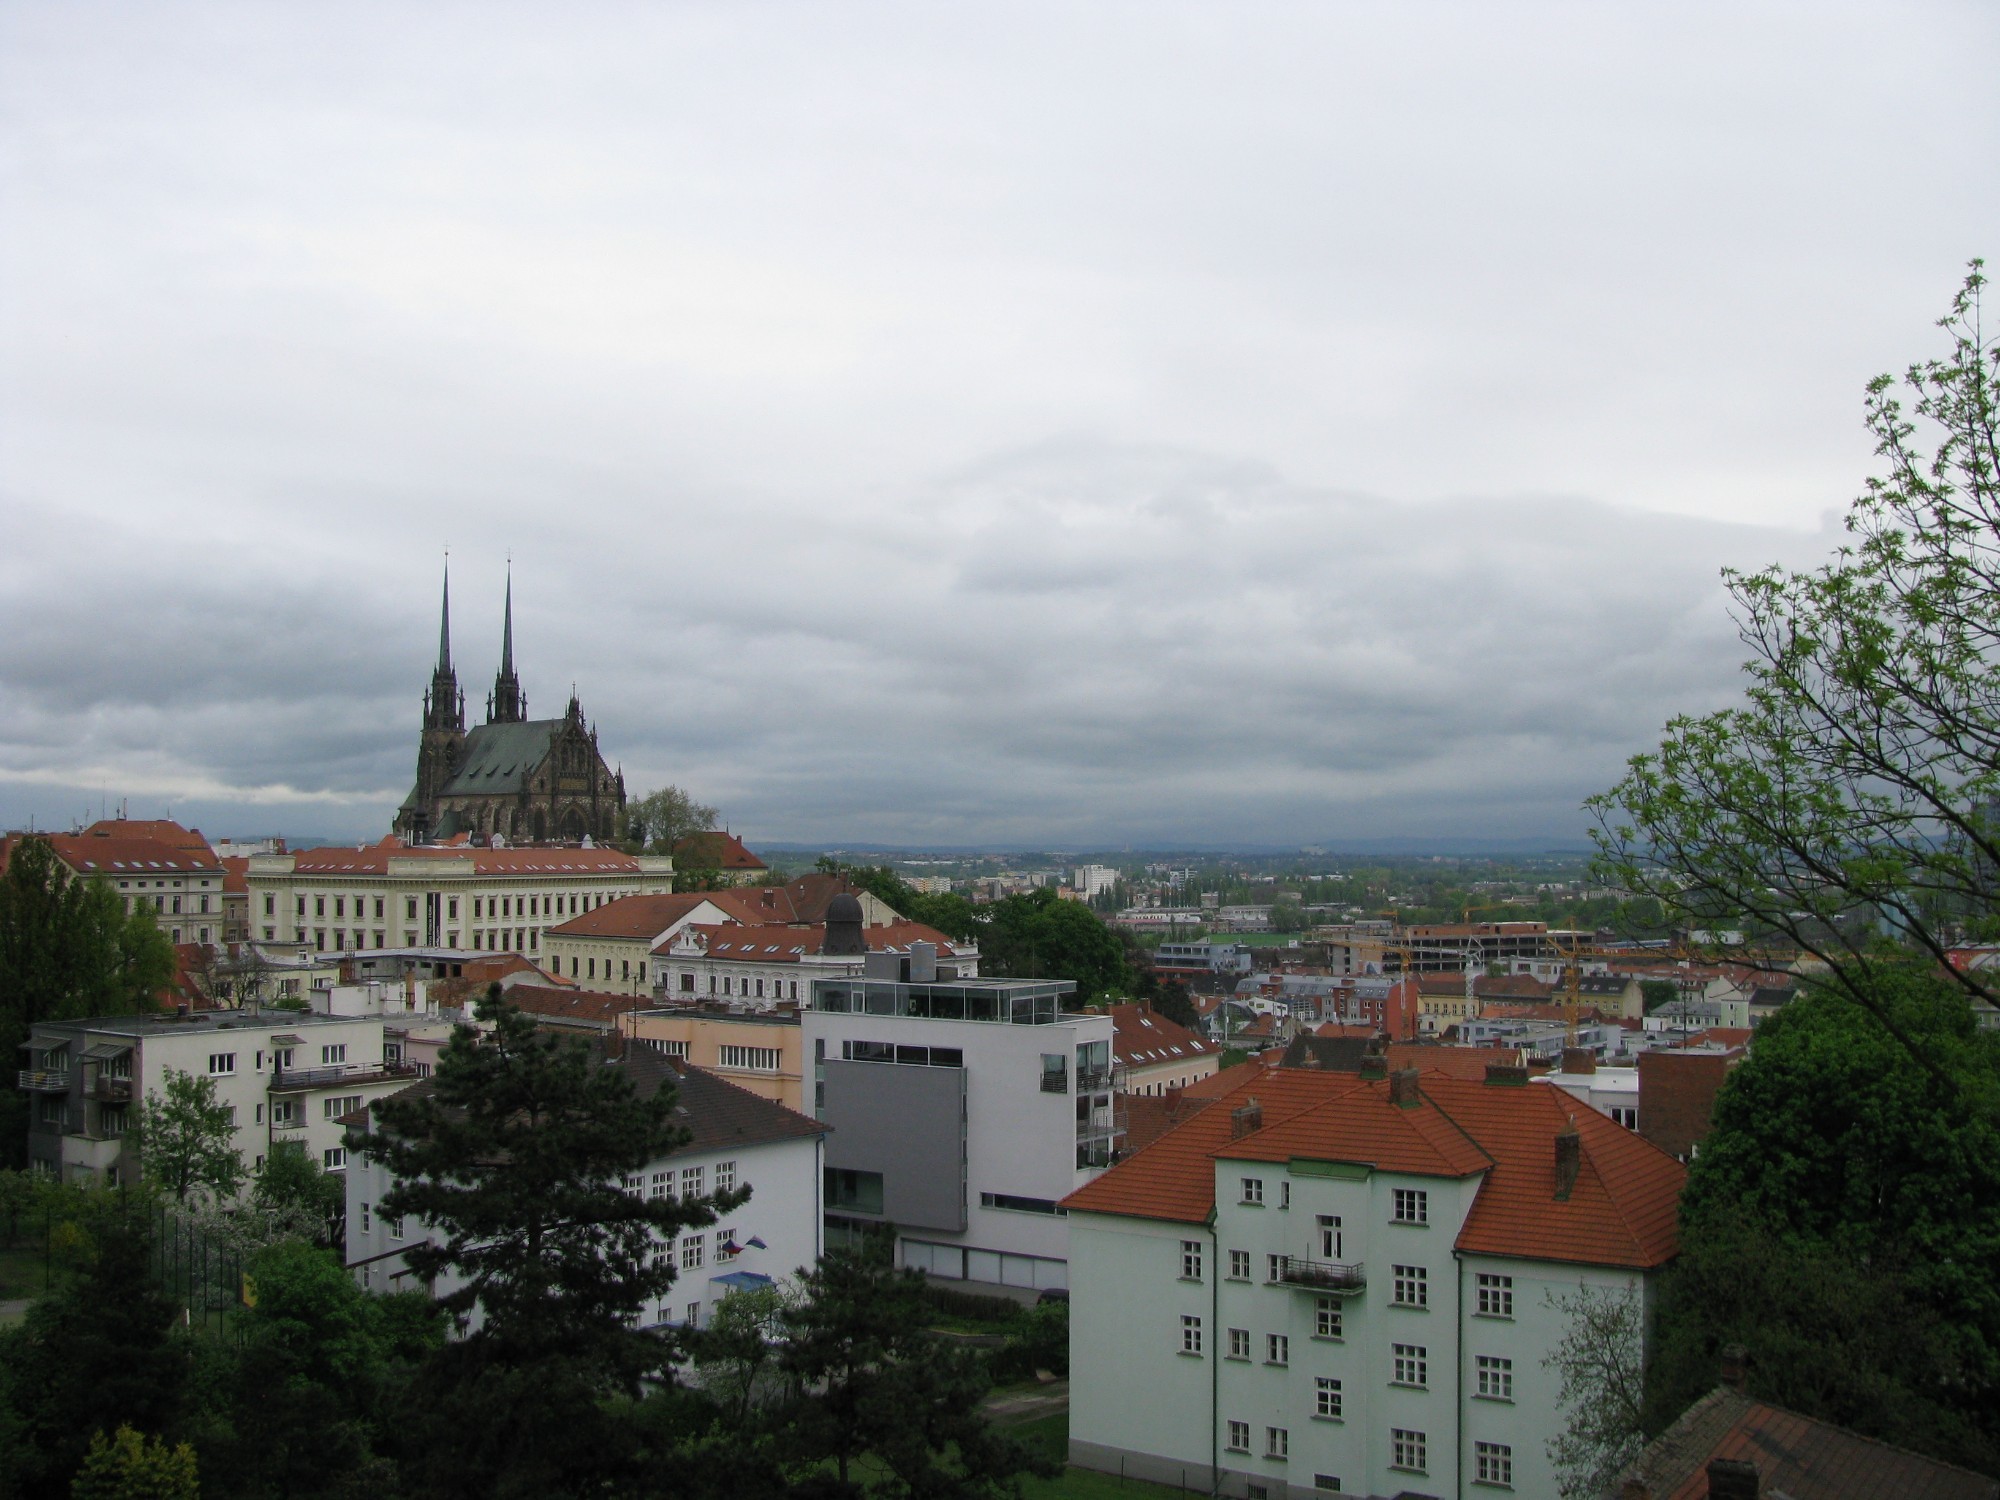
(1452, 1120)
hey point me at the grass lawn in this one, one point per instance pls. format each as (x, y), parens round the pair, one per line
(1052, 1433)
(20, 1273)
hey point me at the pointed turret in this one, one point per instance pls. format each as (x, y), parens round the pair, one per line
(444, 705)
(507, 706)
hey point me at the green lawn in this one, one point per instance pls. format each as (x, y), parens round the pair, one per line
(1052, 1433)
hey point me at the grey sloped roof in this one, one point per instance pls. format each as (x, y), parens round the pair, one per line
(500, 757)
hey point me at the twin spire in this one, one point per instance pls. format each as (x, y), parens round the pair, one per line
(506, 704)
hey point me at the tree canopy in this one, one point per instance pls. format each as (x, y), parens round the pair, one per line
(1855, 792)
(185, 1139)
(1842, 1222)
(657, 821)
(1038, 935)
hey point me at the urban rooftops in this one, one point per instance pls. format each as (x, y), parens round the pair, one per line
(1020, 1002)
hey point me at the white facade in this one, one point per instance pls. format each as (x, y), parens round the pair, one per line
(287, 1076)
(1091, 881)
(981, 1157)
(771, 1237)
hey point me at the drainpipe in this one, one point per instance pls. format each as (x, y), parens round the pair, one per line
(1214, 1357)
(1458, 1406)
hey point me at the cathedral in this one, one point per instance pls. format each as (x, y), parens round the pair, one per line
(514, 778)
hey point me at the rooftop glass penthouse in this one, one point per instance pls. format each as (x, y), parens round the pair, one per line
(1019, 1002)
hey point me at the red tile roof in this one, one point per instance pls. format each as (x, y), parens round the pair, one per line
(115, 858)
(1621, 1212)
(642, 918)
(801, 900)
(1141, 1038)
(374, 860)
(717, 850)
(592, 1006)
(235, 870)
(156, 830)
(788, 942)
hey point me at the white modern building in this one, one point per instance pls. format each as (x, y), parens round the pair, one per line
(777, 963)
(962, 1112)
(736, 1140)
(286, 1075)
(1334, 1284)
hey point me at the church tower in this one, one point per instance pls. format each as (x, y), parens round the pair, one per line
(444, 730)
(505, 704)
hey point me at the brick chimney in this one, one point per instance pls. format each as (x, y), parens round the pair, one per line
(1735, 1372)
(1246, 1119)
(1569, 1161)
(1403, 1088)
(1733, 1479)
(1374, 1067)
(1507, 1075)
(1579, 1060)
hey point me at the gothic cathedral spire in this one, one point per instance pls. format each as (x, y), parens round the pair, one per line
(506, 705)
(444, 705)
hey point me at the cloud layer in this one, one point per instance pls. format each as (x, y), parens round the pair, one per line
(1039, 424)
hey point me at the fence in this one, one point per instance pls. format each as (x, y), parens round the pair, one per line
(202, 1275)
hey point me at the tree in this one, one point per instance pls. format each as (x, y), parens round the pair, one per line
(295, 1191)
(735, 1355)
(185, 1140)
(1840, 1222)
(659, 820)
(1600, 1364)
(1177, 1005)
(1038, 935)
(873, 1381)
(949, 913)
(1657, 992)
(128, 1466)
(514, 1156)
(1856, 790)
(67, 948)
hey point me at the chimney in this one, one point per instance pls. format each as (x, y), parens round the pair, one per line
(923, 963)
(1246, 1119)
(1579, 1060)
(1506, 1075)
(1403, 1089)
(1569, 1161)
(1735, 1372)
(1374, 1067)
(1733, 1479)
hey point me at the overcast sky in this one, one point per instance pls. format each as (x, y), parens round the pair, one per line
(1047, 425)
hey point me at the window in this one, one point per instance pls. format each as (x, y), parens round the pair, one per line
(1274, 1267)
(1329, 1236)
(750, 1059)
(319, 906)
(1277, 1442)
(1277, 1349)
(334, 1158)
(690, 1182)
(1239, 1437)
(1328, 1482)
(340, 906)
(691, 1248)
(1411, 1206)
(284, 1112)
(451, 907)
(364, 1218)
(725, 1246)
(1412, 1287)
(1496, 1378)
(409, 908)
(1408, 1450)
(221, 1063)
(663, 1185)
(1253, 1190)
(342, 1104)
(336, 1053)
(1496, 1296)
(1190, 1260)
(635, 1184)
(1412, 1364)
(860, 1192)
(1493, 1463)
(725, 1176)
(270, 906)
(1326, 1318)
(395, 1228)
(1239, 1343)
(1284, 1195)
(1326, 1398)
(1190, 1334)
(1239, 1265)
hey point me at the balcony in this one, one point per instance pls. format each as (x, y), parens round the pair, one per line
(283, 1127)
(110, 1090)
(44, 1081)
(1092, 1080)
(1322, 1276)
(298, 1080)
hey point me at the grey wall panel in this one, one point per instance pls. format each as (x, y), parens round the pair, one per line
(908, 1123)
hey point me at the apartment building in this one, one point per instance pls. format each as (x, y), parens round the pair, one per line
(394, 895)
(153, 864)
(962, 1112)
(755, 1049)
(1341, 1284)
(775, 963)
(1152, 1055)
(736, 1139)
(611, 946)
(285, 1075)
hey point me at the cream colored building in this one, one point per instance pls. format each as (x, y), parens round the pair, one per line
(391, 895)
(610, 947)
(755, 1050)
(154, 864)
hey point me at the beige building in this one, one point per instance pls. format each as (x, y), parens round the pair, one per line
(1152, 1055)
(610, 947)
(154, 864)
(393, 895)
(777, 962)
(756, 1050)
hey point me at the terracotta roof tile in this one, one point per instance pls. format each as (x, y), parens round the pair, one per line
(640, 917)
(1141, 1037)
(718, 850)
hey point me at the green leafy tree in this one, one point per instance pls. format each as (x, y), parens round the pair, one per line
(949, 913)
(514, 1156)
(130, 1466)
(874, 1382)
(1038, 935)
(1842, 1222)
(657, 821)
(296, 1192)
(98, 1352)
(1654, 993)
(67, 948)
(1856, 790)
(185, 1140)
